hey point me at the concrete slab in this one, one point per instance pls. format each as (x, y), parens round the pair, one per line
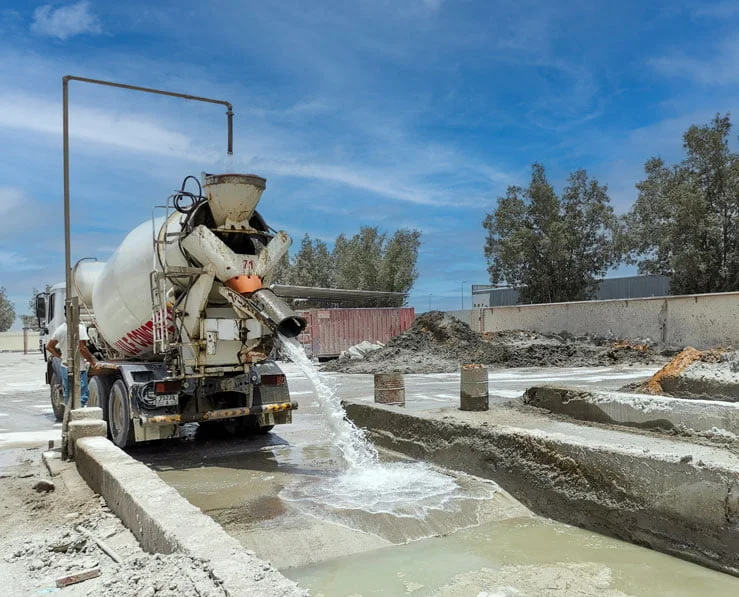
(706, 381)
(82, 414)
(164, 522)
(709, 419)
(670, 495)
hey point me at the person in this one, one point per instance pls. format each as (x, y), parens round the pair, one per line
(57, 346)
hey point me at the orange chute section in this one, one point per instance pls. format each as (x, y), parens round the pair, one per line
(244, 284)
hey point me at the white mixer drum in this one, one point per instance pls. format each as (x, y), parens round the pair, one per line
(121, 296)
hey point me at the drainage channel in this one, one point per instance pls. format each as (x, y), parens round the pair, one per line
(468, 538)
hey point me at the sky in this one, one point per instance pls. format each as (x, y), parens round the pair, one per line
(388, 113)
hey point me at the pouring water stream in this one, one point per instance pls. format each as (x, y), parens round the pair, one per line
(397, 488)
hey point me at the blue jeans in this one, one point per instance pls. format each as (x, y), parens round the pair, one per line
(84, 394)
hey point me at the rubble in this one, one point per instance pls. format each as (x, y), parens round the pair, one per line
(55, 537)
(438, 343)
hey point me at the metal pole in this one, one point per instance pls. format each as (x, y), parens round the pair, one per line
(463, 283)
(25, 340)
(73, 377)
(197, 98)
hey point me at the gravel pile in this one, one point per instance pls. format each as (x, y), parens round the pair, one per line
(438, 343)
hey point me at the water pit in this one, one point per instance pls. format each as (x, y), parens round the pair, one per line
(316, 500)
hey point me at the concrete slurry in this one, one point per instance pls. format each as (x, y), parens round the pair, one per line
(711, 419)
(670, 494)
(483, 545)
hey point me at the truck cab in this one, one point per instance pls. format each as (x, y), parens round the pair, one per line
(50, 315)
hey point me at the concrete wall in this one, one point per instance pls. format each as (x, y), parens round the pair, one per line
(13, 341)
(702, 320)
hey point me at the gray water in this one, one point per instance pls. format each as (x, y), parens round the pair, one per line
(525, 556)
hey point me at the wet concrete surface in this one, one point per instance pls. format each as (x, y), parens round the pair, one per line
(480, 546)
(437, 390)
(242, 483)
(26, 417)
(523, 556)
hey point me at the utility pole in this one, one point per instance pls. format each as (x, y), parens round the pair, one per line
(463, 283)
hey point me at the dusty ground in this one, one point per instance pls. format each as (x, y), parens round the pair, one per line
(438, 343)
(40, 541)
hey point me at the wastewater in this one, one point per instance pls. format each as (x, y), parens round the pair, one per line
(317, 500)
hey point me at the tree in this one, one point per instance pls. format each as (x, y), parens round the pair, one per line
(281, 272)
(7, 311)
(313, 265)
(684, 221)
(371, 261)
(552, 249)
(398, 270)
(358, 259)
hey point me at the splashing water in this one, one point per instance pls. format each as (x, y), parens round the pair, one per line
(351, 441)
(399, 489)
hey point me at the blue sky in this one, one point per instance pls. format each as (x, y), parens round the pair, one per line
(404, 113)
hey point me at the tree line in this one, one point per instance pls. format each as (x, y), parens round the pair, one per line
(369, 260)
(684, 224)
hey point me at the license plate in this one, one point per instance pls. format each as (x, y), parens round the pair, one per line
(167, 399)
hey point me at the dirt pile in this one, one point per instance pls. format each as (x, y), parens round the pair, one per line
(438, 343)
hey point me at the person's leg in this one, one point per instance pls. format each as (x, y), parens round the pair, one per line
(65, 381)
(84, 394)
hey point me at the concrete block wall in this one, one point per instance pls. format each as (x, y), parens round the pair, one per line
(13, 341)
(702, 320)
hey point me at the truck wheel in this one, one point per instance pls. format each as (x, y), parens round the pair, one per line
(98, 390)
(57, 396)
(119, 415)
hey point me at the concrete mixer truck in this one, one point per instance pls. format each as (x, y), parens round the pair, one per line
(183, 319)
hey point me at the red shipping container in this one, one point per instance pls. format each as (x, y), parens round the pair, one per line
(331, 331)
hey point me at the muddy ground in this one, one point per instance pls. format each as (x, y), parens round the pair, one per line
(41, 540)
(439, 343)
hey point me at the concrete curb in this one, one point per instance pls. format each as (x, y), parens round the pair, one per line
(165, 522)
(633, 487)
(711, 419)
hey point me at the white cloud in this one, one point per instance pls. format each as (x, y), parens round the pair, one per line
(66, 21)
(103, 127)
(720, 69)
(433, 5)
(718, 10)
(11, 261)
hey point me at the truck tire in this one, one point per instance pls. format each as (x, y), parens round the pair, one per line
(98, 389)
(118, 409)
(57, 396)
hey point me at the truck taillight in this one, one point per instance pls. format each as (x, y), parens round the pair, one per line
(273, 380)
(167, 387)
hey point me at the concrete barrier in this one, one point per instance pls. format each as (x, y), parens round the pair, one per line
(13, 341)
(676, 497)
(701, 320)
(165, 522)
(708, 419)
